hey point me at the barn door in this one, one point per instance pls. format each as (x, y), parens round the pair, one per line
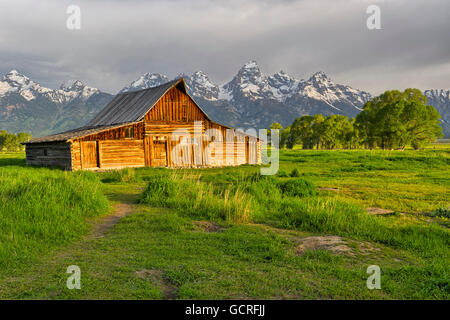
(159, 153)
(89, 154)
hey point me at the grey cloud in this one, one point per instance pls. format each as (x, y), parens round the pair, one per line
(120, 40)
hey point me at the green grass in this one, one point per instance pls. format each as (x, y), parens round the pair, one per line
(232, 233)
(42, 208)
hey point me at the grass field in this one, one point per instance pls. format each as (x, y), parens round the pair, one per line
(227, 233)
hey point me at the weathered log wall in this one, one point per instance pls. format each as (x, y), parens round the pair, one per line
(174, 133)
(175, 105)
(112, 154)
(55, 154)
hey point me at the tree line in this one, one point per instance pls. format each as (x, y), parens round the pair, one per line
(392, 120)
(12, 142)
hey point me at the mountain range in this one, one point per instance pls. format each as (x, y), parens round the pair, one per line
(249, 99)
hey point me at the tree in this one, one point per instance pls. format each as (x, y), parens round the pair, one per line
(11, 142)
(274, 125)
(23, 137)
(302, 132)
(395, 119)
(318, 129)
(285, 138)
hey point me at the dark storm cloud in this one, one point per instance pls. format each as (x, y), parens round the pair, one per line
(120, 40)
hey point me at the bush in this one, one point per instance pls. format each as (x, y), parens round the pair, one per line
(159, 190)
(295, 173)
(298, 188)
(282, 174)
(440, 212)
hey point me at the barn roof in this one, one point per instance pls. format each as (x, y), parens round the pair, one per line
(124, 109)
(74, 133)
(133, 106)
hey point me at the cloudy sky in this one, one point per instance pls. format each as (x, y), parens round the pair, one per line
(122, 39)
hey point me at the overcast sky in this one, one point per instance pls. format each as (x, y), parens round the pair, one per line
(121, 39)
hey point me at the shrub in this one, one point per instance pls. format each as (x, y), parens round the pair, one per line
(282, 174)
(295, 173)
(440, 212)
(159, 190)
(298, 188)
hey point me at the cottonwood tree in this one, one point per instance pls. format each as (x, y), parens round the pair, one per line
(396, 119)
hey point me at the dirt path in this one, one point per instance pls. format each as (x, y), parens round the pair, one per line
(121, 210)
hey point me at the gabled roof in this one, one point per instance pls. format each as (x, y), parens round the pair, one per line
(124, 109)
(133, 106)
(73, 134)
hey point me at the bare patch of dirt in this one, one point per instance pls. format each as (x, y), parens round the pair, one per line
(207, 226)
(121, 210)
(333, 244)
(156, 277)
(367, 248)
(329, 189)
(379, 211)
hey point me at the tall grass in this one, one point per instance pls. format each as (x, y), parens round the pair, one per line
(196, 199)
(291, 204)
(43, 208)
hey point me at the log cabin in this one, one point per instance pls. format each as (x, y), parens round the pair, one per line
(159, 127)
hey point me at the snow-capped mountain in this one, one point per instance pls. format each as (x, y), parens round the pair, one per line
(25, 105)
(283, 86)
(16, 83)
(249, 83)
(145, 81)
(440, 99)
(249, 99)
(200, 85)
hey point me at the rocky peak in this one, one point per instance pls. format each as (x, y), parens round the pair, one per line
(146, 81)
(249, 83)
(201, 86)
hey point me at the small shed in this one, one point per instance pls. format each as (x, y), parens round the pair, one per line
(159, 127)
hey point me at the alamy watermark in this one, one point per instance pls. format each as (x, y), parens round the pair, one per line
(74, 280)
(216, 147)
(73, 22)
(373, 22)
(374, 279)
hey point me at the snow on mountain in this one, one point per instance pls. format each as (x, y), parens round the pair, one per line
(15, 82)
(441, 96)
(282, 85)
(69, 91)
(249, 99)
(249, 83)
(201, 86)
(250, 87)
(320, 87)
(440, 99)
(145, 81)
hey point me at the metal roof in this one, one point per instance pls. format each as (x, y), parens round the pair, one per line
(131, 106)
(73, 134)
(124, 109)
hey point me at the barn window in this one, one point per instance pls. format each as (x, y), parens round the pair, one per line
(129, 133)
(45, 152)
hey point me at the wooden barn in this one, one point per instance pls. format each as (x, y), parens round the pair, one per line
(158, 127)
